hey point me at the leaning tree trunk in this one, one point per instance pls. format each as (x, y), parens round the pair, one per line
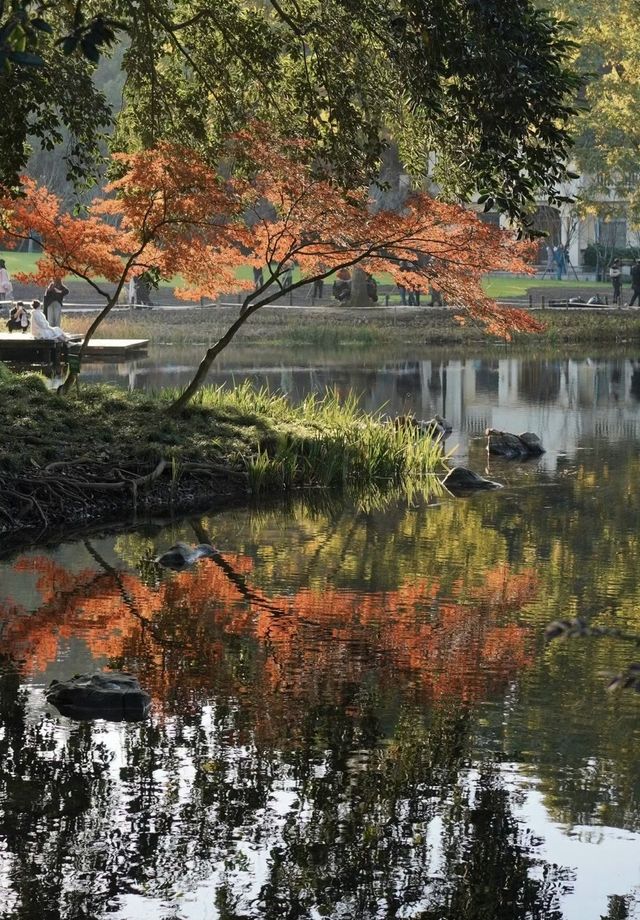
(73, 375)
(212, 353)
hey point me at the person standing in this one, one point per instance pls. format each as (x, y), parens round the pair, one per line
(550, 260)
(559, 259)
(52, 302)
(615, 274)
(258, 277)
(143, 293)
(635, 282)
(6, 288)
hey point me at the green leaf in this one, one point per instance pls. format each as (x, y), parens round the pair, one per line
(25, 58)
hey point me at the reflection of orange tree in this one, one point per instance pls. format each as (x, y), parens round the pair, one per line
(111, 615)
(188, 633)
(442, 647)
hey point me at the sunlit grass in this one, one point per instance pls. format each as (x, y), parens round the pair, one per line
(324, 442)
(505, 286)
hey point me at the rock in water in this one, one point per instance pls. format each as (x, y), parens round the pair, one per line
(513, 446)
(461, 480)
(113, 696)
(437, 427)
(532, 442)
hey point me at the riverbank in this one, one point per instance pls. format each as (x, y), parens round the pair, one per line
(339, 327)
(103, 453)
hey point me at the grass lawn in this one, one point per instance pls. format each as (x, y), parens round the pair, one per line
(503, 287)
(20, 261)
(519, 285)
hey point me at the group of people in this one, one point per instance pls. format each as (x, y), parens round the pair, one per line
(341, 290)
(45, 316)
(615, 276)
(139, 291)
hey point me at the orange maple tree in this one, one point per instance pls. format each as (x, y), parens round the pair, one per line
(172, 212)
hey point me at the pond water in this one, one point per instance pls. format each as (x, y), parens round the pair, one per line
(356, 716)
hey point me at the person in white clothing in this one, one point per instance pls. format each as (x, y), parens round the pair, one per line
(41, 328)
(615, 274)
(6, 288)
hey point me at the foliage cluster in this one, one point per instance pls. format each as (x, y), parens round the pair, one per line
(483, 91)
(606, 131)
(169, 212)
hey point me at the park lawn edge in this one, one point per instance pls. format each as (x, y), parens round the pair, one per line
(105, 454)
(339, 329)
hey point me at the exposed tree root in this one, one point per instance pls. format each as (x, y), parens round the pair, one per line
(84, 490)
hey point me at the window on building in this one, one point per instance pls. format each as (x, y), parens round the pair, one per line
(612, 233)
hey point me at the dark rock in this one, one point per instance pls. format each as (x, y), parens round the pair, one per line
(532, 442)
(461, 480)
(513, 446)
(113, 696)
(436, 427)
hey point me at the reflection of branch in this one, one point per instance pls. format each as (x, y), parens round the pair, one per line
(241, 584)
(128, 600)
(578, 628)
(629, 679)
(235, 577)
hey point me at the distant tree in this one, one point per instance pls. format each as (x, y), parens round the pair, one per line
(606, 129)
(170, 213)
(477, 94)
(47, 57)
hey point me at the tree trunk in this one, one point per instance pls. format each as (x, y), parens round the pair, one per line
(359, 293)
(247, 309)
(72, 376)
(212, 353)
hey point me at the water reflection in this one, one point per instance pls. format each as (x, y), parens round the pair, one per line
(564, 400)
(355, 714)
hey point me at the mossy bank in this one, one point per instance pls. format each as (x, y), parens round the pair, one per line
(103, 453)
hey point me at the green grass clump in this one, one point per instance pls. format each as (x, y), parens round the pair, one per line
(323, 442)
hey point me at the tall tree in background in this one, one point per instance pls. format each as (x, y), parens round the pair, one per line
(479, 93)
(47, 58)
(606, 129)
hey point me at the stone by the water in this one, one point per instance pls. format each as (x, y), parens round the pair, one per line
(436, 427)
(532, 443)
(513, 446)
(460, 479)
(113, 696)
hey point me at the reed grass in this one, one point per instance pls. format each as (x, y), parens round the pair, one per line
(325, 442)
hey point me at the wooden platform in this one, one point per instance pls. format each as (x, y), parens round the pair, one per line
(22, 346)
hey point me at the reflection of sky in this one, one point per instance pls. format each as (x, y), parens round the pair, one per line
(564, 401)
(605, 860)
(599, 861)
